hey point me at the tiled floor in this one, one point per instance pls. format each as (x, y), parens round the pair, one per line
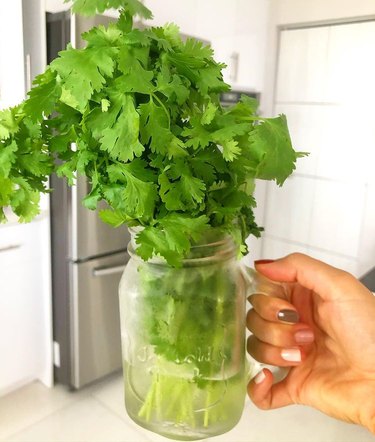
(96, 414)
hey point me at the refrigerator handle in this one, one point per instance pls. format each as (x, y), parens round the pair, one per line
(104, 271)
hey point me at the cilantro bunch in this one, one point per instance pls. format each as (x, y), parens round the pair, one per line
(138, 113)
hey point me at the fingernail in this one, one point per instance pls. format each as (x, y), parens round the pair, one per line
(304, 336)
(263, 261)
(291, 354)
(260, 377)
(288, 316)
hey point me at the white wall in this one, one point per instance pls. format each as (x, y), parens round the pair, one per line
(327, 209)
(12, 84)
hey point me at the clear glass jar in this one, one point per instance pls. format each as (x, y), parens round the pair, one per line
(183, 342)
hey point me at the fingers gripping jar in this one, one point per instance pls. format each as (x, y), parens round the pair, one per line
(183, 341)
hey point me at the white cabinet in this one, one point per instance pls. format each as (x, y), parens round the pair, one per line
(302, 70)
(22, 48)
(25, 305)
(237, 31)
(351, 66)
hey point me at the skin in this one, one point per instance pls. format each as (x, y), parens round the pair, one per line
(336, 374)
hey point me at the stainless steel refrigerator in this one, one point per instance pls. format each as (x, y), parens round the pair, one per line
(88, 258)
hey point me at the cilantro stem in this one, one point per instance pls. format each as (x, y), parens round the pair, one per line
(163, 106)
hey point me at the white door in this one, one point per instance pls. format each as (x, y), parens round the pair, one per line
(325, 86)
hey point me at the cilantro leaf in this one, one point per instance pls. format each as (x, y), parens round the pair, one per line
(154, 127)
(186, 193)
(139, 196)
(6, 192)
(8, 123)
(115, 218)
(121, 140)
(24, 200)
(172, 86)
(271, 144)
(101, 37)
(230, 150)
(137, 80)
(91, 7)
(7, 158)
(91, 200)
(171, 241)
(83, 71)
(209, 113)
(43, 96)
(197, 135)
(211, 80)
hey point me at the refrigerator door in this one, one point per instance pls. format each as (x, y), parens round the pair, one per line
(95, 321)
(90, 236)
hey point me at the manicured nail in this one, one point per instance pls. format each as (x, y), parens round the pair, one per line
(291, 354)
(286, 315)
(263, 261)
(304, 336)
(260, 377)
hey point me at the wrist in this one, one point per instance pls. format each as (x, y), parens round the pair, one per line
(369, 421)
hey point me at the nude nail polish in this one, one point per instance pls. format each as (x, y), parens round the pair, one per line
(291, 354)
(260, 377)
(304, 336)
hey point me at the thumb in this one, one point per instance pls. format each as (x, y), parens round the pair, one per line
(328, 282)
(265, 395)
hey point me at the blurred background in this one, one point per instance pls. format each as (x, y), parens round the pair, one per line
(310, 59)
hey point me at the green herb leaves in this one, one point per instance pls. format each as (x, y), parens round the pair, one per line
(121, 139)
(91, 7)
(171, 237)
(270, 143)
(143, 111)
(82, 72)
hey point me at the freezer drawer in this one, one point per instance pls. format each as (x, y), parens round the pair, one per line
(95, 322)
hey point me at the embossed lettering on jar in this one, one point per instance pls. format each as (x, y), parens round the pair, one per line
(183, 339)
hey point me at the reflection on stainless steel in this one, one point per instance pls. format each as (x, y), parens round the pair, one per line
(88, 258)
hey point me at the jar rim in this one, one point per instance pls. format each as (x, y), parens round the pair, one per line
(221, 250)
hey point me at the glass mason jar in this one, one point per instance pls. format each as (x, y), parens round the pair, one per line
(183, 341)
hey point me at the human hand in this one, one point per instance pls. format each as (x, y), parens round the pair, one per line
(330, 349)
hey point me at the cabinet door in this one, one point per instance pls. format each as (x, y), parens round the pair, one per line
(302, 66)
(21, 305)
(351, 65)
(325, 85)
